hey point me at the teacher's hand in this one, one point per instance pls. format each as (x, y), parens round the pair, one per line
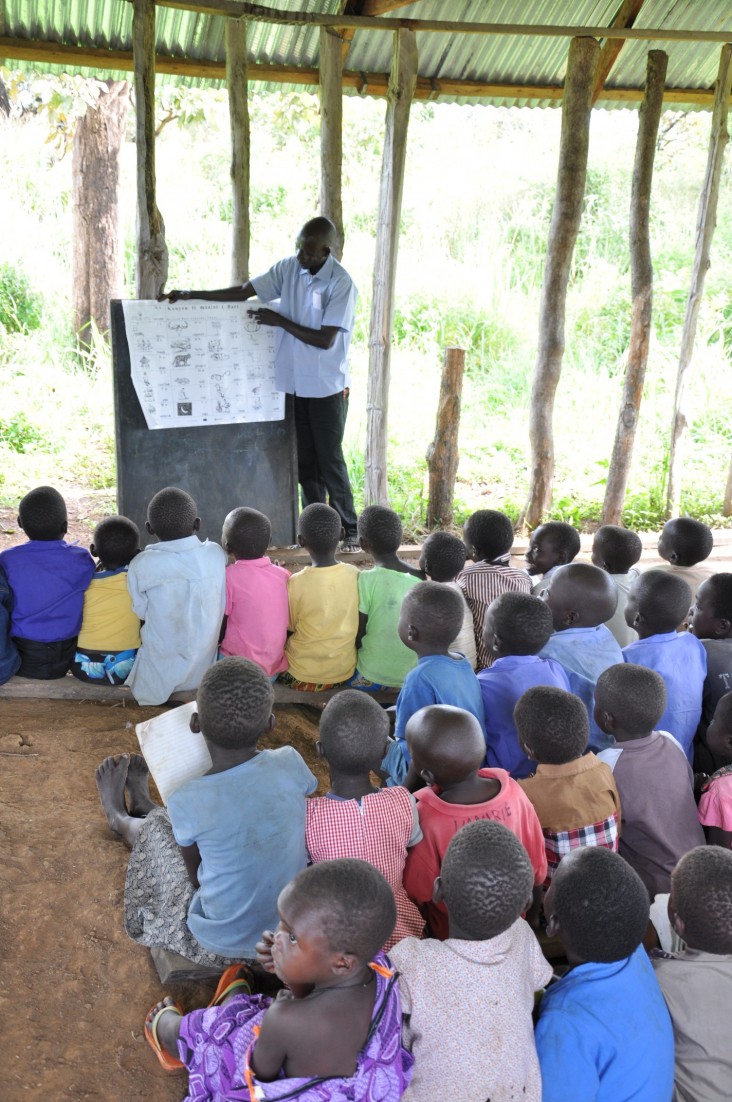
(265, 316)
(173, 296)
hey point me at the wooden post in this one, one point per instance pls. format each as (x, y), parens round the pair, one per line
(402, 79)
(236, 80)
(330, 73)
(152, 252)
(705, 226)
(727, 506)
(442, 454)
(580, 81)
(641, 279)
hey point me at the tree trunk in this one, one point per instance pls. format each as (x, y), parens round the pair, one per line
(727, 506)
(641, 268)
(706, 223)
(443, 454)
(330, 71)
(236, 80)
(95, 167)
(402, 79)
(152, 252)
(575, 138)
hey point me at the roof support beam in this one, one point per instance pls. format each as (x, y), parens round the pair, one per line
(257, 13)
(372, 84)
(625, 17)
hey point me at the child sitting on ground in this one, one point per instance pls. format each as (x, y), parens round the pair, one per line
(178, 589)
(582, 599)
(430, 617)
(204, 876)
(715, 805)
(475, 1030)
(447, 749)
(616, 550)
(658, 822)
(710, 619)
(382, 661)
(442, 559)
(517, 626)
(354, 819)
(9, 657)
(697, 982)
(655, 603)
(256, 614)
(334, 1032)
(48, 578)
(110, 631)
(323, 600)
(551, 545)
(603, 1030)
(573, 793)
(488, 537)
(685, 543)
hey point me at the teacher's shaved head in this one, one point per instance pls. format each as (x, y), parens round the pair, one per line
(320, 229)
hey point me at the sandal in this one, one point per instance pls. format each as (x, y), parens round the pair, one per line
(350, 546)
(166, 1061)
(236, 980)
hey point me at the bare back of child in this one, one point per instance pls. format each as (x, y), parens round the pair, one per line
(338, 1017)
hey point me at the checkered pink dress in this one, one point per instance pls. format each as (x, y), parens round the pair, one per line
(376, 829)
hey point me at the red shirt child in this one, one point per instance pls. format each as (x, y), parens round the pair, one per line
(447, 747)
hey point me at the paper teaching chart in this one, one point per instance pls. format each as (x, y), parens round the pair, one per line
(202, 363)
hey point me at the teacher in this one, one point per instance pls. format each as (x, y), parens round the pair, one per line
(317, 300)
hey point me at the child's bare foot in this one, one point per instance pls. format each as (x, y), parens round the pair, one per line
(137, 788)
(111, 776)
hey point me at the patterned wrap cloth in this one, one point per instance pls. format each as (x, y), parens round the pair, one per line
(215, 1044)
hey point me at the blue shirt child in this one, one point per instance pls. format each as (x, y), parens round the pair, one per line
(501, 685)
(436, 679)
(585, 653)
(681, 660)
(604, 1035)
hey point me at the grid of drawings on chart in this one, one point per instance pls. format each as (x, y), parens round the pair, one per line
(201, 363)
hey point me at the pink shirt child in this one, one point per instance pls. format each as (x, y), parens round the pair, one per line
(257, 613)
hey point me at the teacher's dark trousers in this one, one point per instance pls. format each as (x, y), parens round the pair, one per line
(321, 468)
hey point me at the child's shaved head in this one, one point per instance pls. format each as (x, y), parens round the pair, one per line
(661, 600)
(42, 514)
(581, 596)
(172, 514)
(443, 556)
(616, 549)
(319, 527)
(685, 541)
(353, 732)
(431, 613)
(446, 742)
(701, 897)
(246, 533)
(635, 697)
(486, 879)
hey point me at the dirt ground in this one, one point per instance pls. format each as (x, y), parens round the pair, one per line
(74, 990)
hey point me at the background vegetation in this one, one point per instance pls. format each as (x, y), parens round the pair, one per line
(476, 210)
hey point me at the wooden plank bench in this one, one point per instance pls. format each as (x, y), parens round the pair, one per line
(70, 688)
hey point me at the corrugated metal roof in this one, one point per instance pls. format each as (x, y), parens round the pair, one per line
(496, 59)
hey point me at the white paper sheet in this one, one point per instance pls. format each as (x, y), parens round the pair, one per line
(202, 363)
(174, 754)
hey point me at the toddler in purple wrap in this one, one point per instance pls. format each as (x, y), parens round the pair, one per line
(333, 1034)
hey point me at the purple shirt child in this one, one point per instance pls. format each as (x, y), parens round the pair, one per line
(501, 685)
(48, 579)
(681, 660)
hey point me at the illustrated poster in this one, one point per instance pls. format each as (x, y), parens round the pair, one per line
(202, 363)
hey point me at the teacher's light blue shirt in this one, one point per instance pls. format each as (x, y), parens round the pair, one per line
(324, 299)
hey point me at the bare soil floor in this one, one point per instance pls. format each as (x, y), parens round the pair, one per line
(74, 990)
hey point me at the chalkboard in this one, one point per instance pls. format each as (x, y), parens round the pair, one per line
(221, 466)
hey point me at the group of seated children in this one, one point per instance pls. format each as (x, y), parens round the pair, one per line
(441, 881)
